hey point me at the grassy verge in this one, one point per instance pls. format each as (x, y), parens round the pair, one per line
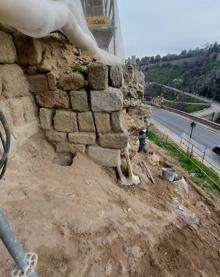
(186, 107)
(200, 174)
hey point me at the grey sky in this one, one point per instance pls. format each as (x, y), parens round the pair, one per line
(151, 27)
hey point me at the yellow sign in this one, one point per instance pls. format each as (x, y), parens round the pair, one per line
(97, 21)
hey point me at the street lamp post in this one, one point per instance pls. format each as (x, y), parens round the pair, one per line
(193, 126)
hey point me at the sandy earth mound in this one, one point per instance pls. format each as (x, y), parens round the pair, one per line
(82, 223)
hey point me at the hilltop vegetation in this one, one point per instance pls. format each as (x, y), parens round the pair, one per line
(196, 71)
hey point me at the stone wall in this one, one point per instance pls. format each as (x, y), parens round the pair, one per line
(82, 113)
(76, 101)
(16, 101)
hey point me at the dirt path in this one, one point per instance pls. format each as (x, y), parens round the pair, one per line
(82, 223)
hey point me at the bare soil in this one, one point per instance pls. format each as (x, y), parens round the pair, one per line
(81, 222)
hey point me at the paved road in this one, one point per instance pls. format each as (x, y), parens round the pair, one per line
(178, 125)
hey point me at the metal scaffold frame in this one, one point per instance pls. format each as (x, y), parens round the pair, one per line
(103, 21)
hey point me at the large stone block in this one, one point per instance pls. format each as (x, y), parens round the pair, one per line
(118, 124)
(86, 122)
(82, 138)
(104, 157)
(38, 83)
(74, 81)
(102, 122)
(66, 147)
(7, 48)
(53, 99)
(65, 121)
(29, 50)
(110, 100)
(98, 76)
(30, 108)
(79, 101)
(55, 136)
(14, 83)
(115, 141)
(46, 118)
(17, 110)
(116, 76)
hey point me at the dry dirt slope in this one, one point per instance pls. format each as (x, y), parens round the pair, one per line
(82, 223)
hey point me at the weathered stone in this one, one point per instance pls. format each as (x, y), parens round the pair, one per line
(51, 80)
(38, 83)
(104, 157)
(79, 101)
(55, 136)
(29, 50)
(65, 121)
(115, 141)
(7, 48)
(65, 147)
(98, 76)
(17, 110)
(32, 70)
(53, 99)
(29, 108)
(45, 67)
(82, 138)
(13, 81)
(86, 122)
(74, 81)
(116, 76)
(102, 122)
(0, 86)
(46, 118)
(117, 121)
(110, 100)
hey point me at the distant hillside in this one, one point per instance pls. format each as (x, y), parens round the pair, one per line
(196, 71)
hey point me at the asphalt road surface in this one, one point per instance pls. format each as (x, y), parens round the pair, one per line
(178, 125)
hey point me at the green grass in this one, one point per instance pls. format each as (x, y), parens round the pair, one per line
(202, 175)
(186, 107)
(163, 75)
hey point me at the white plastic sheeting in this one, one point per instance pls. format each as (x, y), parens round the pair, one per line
(37, 18)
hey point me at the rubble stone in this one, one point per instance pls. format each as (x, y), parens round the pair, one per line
(17, 110)
(13, 81)
(65, 147)
(86, 122)
(7, 48)
(74, 81)
(115, 141)
(45, 67)
(116, 76)
(82, 138)
(79, 101)
(56, 136)
(104, 156)
(53, 99)
(46, 118)
(38, 83)
(29, 50)
(65, 121)
(110, 100)
(102, 122)
(98, 76)
(51, 80)
(32, 70)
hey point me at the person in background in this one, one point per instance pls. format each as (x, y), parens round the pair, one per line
(142, 140)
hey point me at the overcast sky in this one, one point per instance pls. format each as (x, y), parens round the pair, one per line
(151, 27)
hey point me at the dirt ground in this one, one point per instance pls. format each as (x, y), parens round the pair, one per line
(81, 222)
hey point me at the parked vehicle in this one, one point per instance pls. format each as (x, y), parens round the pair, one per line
(216, 150)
